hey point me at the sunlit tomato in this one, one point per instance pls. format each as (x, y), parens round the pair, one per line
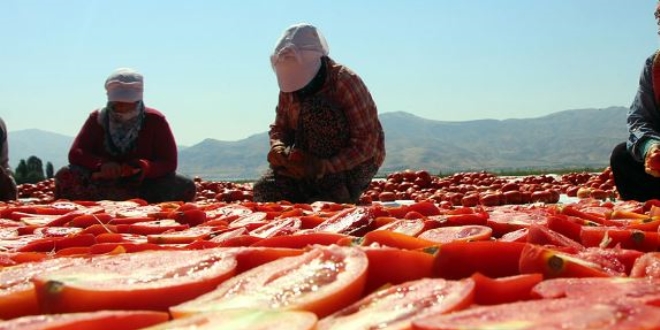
(466, 233)
(243, 319)
(395, 307)
(493, 291)
(321, 280)
(562, 313)
(648, 265)
(411, 265)
(552, 264)
(17, 296)
(98, 320)
(153, 280)
(593, 289)
(458, 260)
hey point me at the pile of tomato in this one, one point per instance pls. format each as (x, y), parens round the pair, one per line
(433, 257)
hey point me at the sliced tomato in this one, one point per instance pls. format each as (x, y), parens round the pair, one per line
(552, 263)
(17, 296)
(301, 240)
(458, 260)
(277, 227)
(248, 258)
(626, 238)
(322, 280)
(395, 239)
(411, 227)
(156, 227)
(98, 320)
(153, 280)
(351, 221)
(647, 265)
(503, 222)
(564, 313)
(493, 291)
(465, 233)
(542, 235)
(638, 290)
(396, 306)
(185, 236)
(250, 221)
(244, 319)
(411, 265)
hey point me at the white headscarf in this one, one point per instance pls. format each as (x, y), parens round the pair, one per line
(297, 56)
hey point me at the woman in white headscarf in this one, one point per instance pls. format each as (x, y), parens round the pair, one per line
(124, 150)
(8, 190)
(327, 142)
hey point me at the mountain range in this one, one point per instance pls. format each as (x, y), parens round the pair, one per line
(567, 139)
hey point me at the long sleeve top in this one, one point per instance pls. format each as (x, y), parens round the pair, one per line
(366, 134)
(4, 148)
(644, 115)
(155, 146)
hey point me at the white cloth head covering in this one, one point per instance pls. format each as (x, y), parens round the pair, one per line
(124, 85)
(297, 56)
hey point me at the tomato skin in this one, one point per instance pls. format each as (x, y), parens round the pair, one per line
(243, 319)
(410, 265)
(465, 233)
(458, 260)
(302, 240)
(395, 239)
(552, 264)
(100, 320)
(626, 238)
(489, 291)
(542, 235)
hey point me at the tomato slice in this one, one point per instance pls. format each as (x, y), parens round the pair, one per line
(244, 319)
(626, 238)
(411, 227)
(563, 313)
(411, 265)
(152, 280)
(465, 233)
(101, 320)
(493, 291)
(322, 280)
(648, 265)
(639, 290)
(551, 263)
(458, 260)
(350, 221)
(17, 296)
(396, 306)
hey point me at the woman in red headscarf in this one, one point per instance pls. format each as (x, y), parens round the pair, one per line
(124, 150)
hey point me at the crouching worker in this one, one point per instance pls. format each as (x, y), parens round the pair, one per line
(8, 191)
(124, 150)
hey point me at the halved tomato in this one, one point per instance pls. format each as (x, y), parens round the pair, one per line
(396, 306)
(243, 319)
(152, 280)
(593, 289)
(493, 291)
(551, 263)
(99, 320)
(648, 265)
(322, 280)
(465, 233)
(17, 296)
(458, 260)
(563, 313)
(410, 265)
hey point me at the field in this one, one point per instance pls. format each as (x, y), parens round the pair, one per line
(469, 250)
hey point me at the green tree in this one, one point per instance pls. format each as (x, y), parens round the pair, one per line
(35, 170)
(50, 170)
(21, 172)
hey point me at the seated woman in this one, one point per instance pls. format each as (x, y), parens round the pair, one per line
(124, 150)
(8, 190)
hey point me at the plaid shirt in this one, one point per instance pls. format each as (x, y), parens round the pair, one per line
(366, 133)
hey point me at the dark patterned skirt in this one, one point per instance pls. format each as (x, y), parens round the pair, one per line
(323, 130)
(76, 183)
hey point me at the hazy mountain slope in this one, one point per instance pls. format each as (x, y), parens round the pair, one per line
(572, 138)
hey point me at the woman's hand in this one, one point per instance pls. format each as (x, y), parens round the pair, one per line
(110, 170)
(652, 161)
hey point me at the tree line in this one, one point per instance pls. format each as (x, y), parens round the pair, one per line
(32, 171)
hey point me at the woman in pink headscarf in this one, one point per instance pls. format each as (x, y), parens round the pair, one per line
(124, 150)
(327, 142)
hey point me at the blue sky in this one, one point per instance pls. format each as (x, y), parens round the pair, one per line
(206, 63)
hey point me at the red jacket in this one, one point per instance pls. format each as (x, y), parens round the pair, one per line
(155, 147)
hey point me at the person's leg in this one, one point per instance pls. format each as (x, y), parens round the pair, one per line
(8, 191)
(172, 187)
(76, 183)
(273, 188)
(631, 181)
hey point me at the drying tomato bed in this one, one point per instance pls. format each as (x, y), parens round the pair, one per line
(430, 260)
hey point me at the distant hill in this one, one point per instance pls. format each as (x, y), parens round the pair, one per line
(566, 139)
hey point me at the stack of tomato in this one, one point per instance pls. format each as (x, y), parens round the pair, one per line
(426, 263)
